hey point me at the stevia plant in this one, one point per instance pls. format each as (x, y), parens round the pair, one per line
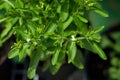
(50, 31)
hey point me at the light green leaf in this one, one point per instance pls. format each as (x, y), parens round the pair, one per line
(31, 72)
(6, 30)
(3, 19)
(21, 4)
(22, 53)
(5, 38)
(82, 19)
(8, 26)
(101, 12)
(71, 51)
(13, 53)
(11, 4)
(63, 16)
(55, 56)
(34, 61)
(98, 29)
(20, 21)
(51, 28)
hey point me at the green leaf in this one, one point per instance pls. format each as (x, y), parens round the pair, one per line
(24, 36)
(86, 45)
(20, 21)
(8, 26)
(92, 46)
(46, 65)
(98, 29)
(51, 28)
(55, 56)
(34, 61)
(21, 4)
(82, 19)
(63, 16)
(13, 53)
(80, 2)
(78, 62)
(11, 4)
(22, 53)
(31, 72)
(3, 19)
(81, 26)
(101, 12)
(54, 68)
(64, 11)
(99, 51)
(62, 55)
(31, 26)
(71, 51)
(5, 38)
(68, 22)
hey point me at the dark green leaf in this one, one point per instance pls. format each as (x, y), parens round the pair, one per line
(24, 36)
(64, 11)
(78, 62)
(54, 68)
(31, 26)
(99, 51)
(81, 26)
(46, 65)
(105, 43)
(92, 46)
(62, 54)
(86, 45)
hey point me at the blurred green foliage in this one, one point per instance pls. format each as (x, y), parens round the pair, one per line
(50, 31)
(113, 45)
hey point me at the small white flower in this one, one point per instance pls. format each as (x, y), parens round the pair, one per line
(73, 37)
(28, 40)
